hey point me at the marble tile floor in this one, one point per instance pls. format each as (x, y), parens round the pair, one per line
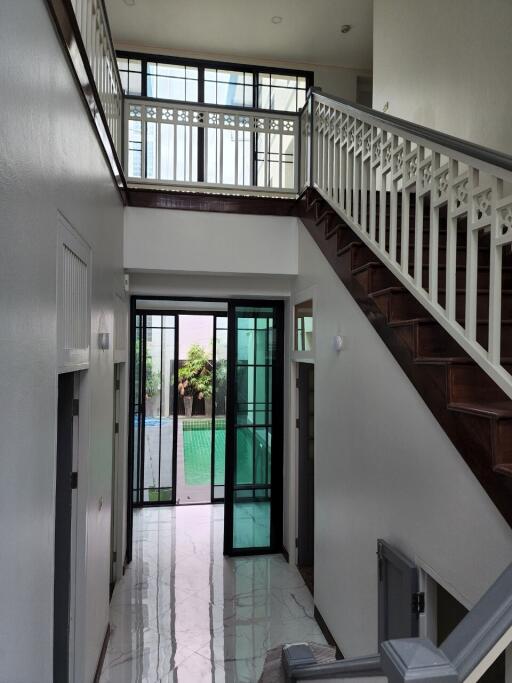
(185, 613)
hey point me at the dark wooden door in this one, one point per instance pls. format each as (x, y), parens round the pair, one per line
(63, 528)
(306, 512)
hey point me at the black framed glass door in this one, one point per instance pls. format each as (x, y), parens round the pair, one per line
(154, 409)
(254, 433)
(219, 403)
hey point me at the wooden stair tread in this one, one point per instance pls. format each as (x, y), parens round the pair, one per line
(503, 468)
(380, 264)
(400, 288)
(432, 321)
(497, 409)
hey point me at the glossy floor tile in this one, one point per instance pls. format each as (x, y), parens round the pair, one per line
(185, 613)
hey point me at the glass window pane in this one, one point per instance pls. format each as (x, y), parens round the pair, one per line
(251, 524)
(135, 65)
(261, 457)
(210, 92)
(249, 96)
(163, 87)
(191, 91)
(151, 86)
(176, 89)
(264, 97)
(244, 455)
(304, 326)
(284, 81)
(135, 83)
(167, 410)
(284, 99)
(170, 70)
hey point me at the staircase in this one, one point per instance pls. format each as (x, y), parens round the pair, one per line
(474, 412)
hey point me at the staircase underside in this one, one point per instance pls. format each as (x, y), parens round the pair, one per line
(473, 411)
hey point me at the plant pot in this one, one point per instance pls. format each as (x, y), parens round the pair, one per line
(208, 407)
(187, 401)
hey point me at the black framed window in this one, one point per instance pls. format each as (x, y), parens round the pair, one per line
(222, 83)
(232, 88)
(130, 71)
(172, 81)
(283, 92)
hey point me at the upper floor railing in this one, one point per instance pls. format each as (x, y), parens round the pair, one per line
(182, 145)
(93, 24)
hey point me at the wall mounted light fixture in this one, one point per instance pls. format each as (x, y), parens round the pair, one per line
(338, 343)
(103, 341)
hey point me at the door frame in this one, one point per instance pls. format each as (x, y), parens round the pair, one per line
(304, 385)
(142, 409)
(276, 529)
(277, 455)
(66, 542)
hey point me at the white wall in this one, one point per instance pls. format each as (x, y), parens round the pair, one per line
(446, 65)
(50, 161)
(335, 80)
(384, 468)
(201, 242)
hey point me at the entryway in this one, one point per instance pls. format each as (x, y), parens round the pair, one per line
(306, 471)
(64, 593)
(206, 413)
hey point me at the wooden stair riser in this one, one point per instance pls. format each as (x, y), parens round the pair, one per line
(406, 306)
(430, 340)
(469, 383)
(375, 277)
(502, 451)
(398, 305)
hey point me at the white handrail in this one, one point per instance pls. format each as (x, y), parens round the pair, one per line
(381, 178)
(93, 24)
(197, 145)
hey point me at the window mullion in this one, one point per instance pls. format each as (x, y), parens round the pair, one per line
(144, 77)
(200, 129)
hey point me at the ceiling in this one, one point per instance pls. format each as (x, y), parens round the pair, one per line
(309, 33)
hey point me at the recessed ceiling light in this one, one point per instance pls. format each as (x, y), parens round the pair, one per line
(346, 28)
(277, 20)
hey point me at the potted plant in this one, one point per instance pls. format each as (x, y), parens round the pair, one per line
(187, 392)
(195, 378)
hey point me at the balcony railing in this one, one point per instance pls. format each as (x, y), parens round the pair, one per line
(182, 145)
(93, 24)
